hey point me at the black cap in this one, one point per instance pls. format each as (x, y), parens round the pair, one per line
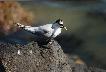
(58, 21)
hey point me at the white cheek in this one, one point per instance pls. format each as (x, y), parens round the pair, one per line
(61, 22)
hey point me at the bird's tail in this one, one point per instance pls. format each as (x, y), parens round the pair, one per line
(27, 28)
(22, 26)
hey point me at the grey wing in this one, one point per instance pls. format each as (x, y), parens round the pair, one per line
(36, 30)
(43, 31)
(31, 29)
(45, 28)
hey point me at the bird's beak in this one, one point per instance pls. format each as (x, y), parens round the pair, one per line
(62, 26)
(65, 28)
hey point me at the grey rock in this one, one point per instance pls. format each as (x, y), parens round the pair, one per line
(32, 58)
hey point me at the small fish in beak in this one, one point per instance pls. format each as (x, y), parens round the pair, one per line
(65, 28)
(62, 26)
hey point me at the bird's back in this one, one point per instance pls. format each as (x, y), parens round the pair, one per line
(46, 29)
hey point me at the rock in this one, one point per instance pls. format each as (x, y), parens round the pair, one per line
(32, 58)
(84, 68)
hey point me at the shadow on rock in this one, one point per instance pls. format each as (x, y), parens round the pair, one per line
(2, 68)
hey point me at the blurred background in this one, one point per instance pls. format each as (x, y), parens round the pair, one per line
(84, 19)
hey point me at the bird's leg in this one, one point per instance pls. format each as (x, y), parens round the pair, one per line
(50, 40)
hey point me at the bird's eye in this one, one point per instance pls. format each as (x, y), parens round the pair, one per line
(61, 24)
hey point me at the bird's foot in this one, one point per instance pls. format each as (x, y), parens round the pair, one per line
(50, 43)
(46, 45)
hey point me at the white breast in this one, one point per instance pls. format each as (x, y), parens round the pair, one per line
(58, 31)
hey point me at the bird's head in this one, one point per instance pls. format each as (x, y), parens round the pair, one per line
(59, 22)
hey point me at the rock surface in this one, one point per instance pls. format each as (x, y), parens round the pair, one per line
(31, 58)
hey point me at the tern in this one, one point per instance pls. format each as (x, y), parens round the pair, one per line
(45, 33)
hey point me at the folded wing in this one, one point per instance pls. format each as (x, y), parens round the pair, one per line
(33, 30)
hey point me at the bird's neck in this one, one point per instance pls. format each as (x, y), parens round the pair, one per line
(55, 26)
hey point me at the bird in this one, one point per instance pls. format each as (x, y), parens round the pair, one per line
(46, 33)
